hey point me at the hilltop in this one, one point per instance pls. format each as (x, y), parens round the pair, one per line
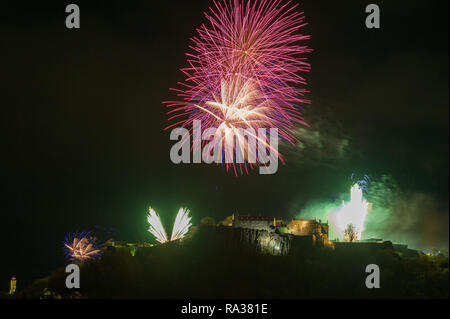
(208, 264)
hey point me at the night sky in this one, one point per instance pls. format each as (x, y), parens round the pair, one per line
(83, 140)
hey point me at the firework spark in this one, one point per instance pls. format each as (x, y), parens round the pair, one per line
(181, 225)
(243, 72)
(81, 247)
(363, 182)
(156, 227)
(353, 213)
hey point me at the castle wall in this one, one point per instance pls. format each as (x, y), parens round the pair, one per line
(363, 246)
(303, 227)
(254, 224)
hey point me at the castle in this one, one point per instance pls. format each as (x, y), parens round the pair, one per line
(270, 235)
(306, 227)
(313, 231)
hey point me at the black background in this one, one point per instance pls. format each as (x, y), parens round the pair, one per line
(83, 141)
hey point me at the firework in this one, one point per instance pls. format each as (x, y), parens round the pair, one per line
(353, 213)
(181, 225)
(363, 182)
(243, 73)
(156, 227)
(81, 247)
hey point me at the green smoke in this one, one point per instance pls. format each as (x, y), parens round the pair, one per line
(410, 218)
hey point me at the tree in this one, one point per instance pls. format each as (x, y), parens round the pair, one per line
(350, 233)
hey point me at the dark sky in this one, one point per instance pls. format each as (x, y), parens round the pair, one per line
(83, 121)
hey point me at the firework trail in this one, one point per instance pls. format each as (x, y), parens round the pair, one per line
(156, 227)
(243, 73)
(81, 247)
(181, 225)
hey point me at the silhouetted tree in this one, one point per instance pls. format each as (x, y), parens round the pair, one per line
(351, 233)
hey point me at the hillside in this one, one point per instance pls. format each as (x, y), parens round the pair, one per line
(208, 265)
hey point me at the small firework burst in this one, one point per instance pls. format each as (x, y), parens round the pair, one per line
(180, 227)
(81, 247)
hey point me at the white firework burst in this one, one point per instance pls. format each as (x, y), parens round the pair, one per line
(180, 227)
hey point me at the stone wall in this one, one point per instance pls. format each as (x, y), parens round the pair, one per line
(254, 224)
(303, 227)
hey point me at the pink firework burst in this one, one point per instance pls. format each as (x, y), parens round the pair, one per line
(244, 72)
